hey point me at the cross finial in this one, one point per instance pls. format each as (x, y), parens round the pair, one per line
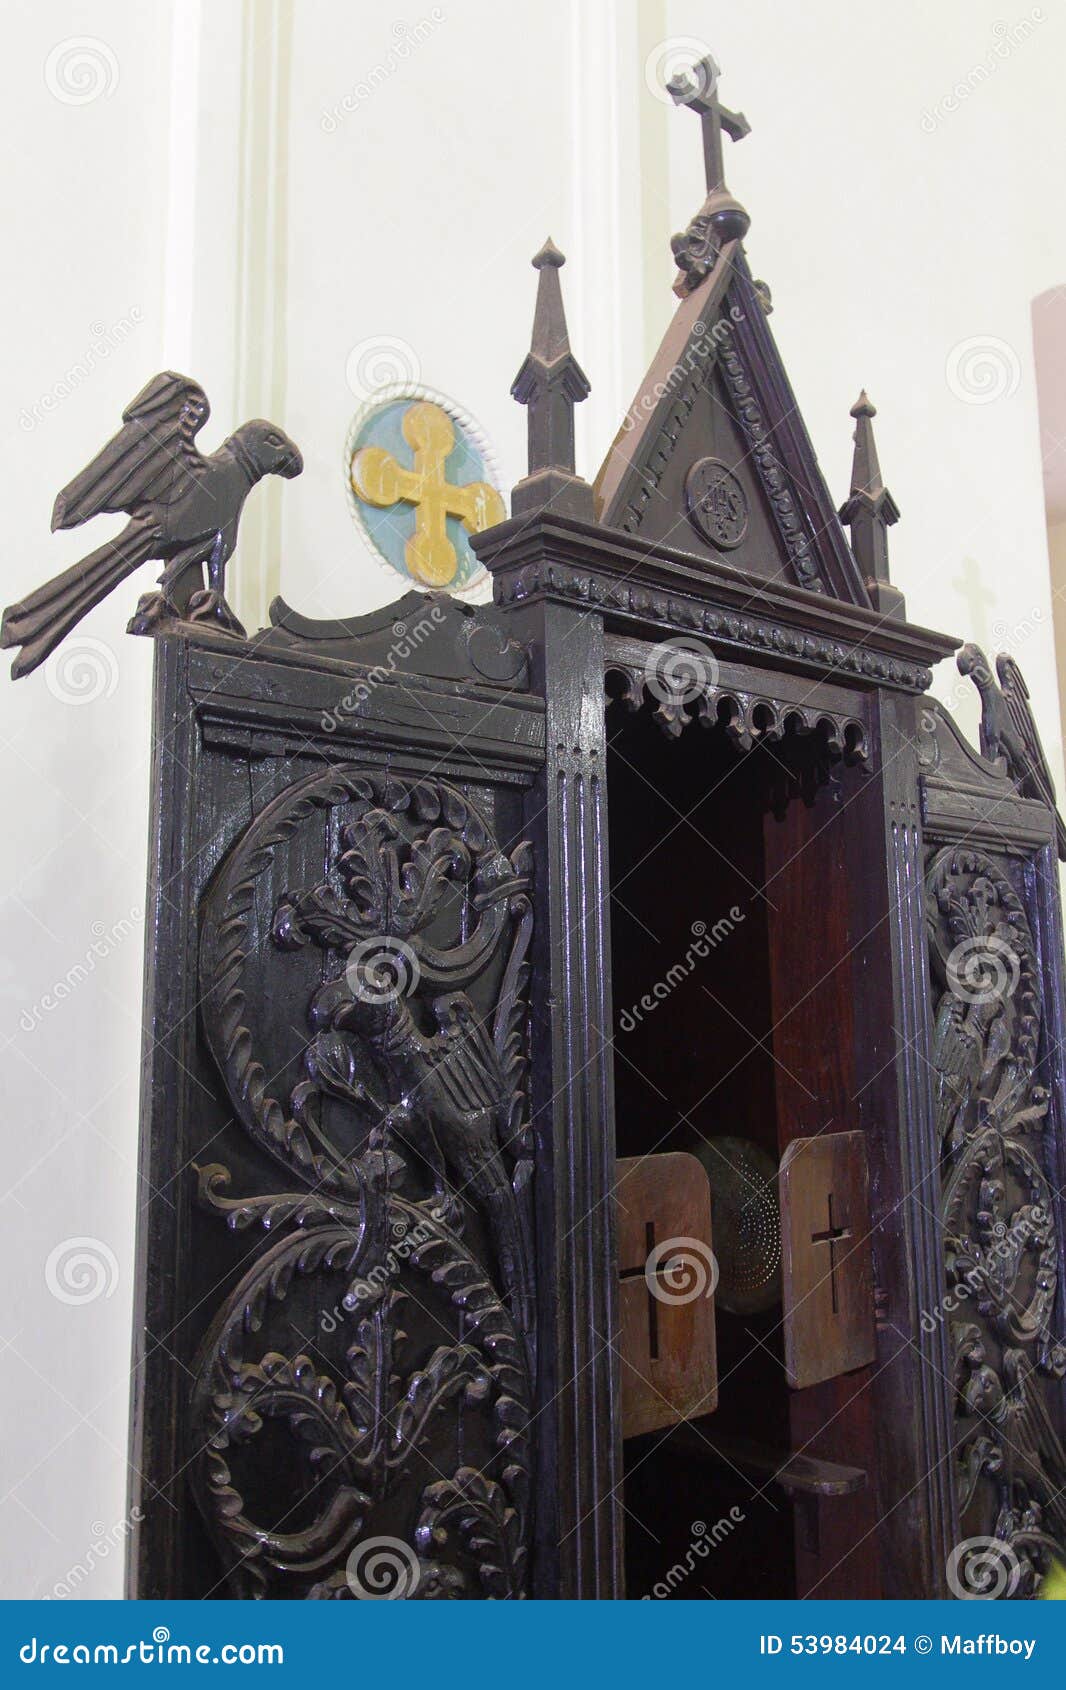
(721, 218)
(699, 91)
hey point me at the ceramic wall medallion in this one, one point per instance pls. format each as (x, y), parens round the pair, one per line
(421, 478)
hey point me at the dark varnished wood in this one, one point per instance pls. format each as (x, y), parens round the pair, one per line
(378, 1250)
(796, 1474)
(184, 510)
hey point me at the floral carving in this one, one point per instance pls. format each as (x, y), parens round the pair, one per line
(997, 1207)
(407, 1145)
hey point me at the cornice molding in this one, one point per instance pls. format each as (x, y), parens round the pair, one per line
(630, 586)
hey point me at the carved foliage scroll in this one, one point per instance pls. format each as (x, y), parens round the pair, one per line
(997, 1207)
(360, 1414)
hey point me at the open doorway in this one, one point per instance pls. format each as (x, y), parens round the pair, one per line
(728, 1049)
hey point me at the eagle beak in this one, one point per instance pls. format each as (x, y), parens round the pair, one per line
(292, 464)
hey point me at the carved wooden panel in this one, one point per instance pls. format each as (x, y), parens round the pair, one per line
(376, 1355)
(336, 1307)
(998, 1209)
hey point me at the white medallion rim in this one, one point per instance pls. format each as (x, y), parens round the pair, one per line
(475, 589)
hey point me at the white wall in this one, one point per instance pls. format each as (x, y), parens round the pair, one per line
(84, 207)
(892, 231)
(427, 165)
(200, 213)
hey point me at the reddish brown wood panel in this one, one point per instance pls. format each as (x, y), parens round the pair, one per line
(819, 920)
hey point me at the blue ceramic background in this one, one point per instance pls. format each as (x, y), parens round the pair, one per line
(390, 529)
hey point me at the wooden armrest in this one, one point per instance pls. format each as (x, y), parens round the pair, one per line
(798, 1475)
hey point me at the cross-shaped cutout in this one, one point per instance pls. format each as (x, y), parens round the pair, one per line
(666, 1277)
(827, 1262)
(640, 1272)
(378, 479)
(833, 1236)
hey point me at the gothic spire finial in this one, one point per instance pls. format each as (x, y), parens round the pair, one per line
(550, 383)
(549, 254)
(549, 339)
(865, 468)
(869, 512)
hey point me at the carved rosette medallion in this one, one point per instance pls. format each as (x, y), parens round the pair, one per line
(359, 1419)
(716, 503)
(997, 1207)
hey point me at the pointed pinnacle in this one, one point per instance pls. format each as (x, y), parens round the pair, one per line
(549, 340)
(868, 491)
(549, 254)
(865, 467)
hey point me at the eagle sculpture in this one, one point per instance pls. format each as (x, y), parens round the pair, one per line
(184, 510)
(1009, 731)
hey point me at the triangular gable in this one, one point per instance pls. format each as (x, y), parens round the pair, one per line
(713, 456)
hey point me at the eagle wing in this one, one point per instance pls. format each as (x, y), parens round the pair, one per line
(1016, 697)
(145, 458)
(956, 1057)
(464, 1060)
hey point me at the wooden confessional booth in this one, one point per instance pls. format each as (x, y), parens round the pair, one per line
(604, 1077)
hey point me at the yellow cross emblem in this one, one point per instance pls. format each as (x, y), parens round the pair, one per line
(380, 480)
